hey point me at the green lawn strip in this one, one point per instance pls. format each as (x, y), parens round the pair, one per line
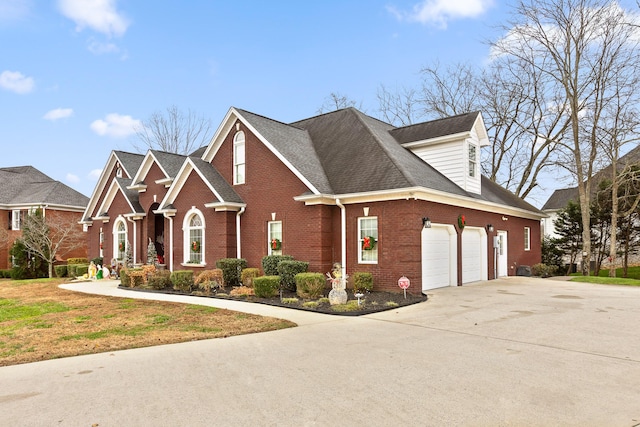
(11, 309)
(606, 280)
(632, 273)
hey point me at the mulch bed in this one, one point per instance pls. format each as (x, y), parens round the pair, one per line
(372, 302)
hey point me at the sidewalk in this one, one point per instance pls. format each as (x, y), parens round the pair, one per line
(110, 288)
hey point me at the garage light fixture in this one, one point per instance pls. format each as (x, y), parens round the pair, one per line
(426, 222)
(490, 228)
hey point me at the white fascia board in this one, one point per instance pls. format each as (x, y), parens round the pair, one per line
(165, 181)
(420, 193)
(110, 195)
(461, 136)
(101, 184)
(216, 140)
(481, 130)
(181, 179)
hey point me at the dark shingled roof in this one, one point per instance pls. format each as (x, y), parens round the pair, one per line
(25, 185)
(130, 162)
(223, 188)
(435, 128)
(170, 162)
(131, 195)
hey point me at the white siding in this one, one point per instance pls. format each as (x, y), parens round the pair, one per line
(447, 158)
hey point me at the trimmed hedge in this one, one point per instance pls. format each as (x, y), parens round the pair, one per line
(362, 282)
(82, 269)
(270, 263)
(61, 270)
(266, 286)
(5, 274)
(78, 261)
(125, 280)
(182, 280)
(310, 285)
(159, 280)
(209, 280)
(287, 271)
(248, 275)
(231, 270)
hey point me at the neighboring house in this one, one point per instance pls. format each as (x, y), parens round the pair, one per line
(23, 189)
(341, 187)
(559, 199)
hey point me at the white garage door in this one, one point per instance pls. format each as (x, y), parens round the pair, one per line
(474, 255)
(438, 257)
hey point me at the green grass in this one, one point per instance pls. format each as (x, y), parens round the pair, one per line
(606, 280)
(11, 309)
(632, 273)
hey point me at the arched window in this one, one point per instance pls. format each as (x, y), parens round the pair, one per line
(194, 237)
(238, 158)
(119, 239)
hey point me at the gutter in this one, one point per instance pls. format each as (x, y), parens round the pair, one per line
(238, 240)
(343, 238)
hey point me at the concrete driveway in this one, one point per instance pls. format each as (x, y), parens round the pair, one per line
(509, 352)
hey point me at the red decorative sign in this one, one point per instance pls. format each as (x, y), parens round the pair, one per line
(404, 283)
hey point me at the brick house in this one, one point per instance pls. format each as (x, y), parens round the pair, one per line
(341, 187)
(23, 189)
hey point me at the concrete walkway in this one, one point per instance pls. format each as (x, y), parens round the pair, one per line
(509, 352)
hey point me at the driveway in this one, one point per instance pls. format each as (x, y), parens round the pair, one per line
(508, 352)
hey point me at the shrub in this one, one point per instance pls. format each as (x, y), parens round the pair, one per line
(310, 285)
(242, 290)
(78, 261)
(182, 280)
(125, 278)
(544, 270)
(270, 263)
(61, 270)
(210, 279)
(71, 270)
(231, 269)
(266, 286)
(159, 280)
(96, 261)
(5, 274)
(247, 276)
(81, 269)
(288, 270)
(362, 282)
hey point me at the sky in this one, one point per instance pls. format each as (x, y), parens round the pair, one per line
(77, 76)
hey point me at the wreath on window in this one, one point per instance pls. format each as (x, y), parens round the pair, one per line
(121, 246)
(368, 243)
(461, 221)
(195, 246)
(276, 244)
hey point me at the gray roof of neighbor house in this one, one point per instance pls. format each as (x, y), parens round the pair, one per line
(560, 198)
(27, 186)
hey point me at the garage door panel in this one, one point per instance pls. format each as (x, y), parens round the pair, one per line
(436, 258)
(474, 255)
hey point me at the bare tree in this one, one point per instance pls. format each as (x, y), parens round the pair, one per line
(49, 235)
(578, 46)
(398, 108)
(336, 101)
(173, 131)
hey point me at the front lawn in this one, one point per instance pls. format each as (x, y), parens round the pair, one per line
(602, 280)
(39, 321)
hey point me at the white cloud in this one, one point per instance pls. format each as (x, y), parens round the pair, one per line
(440, 12)
(94, 175)
(99, 48)
(73, 179)
(98, 15)
(116, 125)
(58, 113)
(15, 81)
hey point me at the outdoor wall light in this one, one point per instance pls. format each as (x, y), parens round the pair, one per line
(490, 228)
(426, 222)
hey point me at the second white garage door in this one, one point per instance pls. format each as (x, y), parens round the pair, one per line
(439, 250)
(474, 254)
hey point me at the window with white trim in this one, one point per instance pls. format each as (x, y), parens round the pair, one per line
(194, 237)
(473, 160)
(368, 240)
(239, 165)
(527, 238)
(120, 239)
(15, 219)
(274, 239)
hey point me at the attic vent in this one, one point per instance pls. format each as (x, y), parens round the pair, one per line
(119, 172)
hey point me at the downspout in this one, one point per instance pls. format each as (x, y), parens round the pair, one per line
(343, 237)
(238, 240)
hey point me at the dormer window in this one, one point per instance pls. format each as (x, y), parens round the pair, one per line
(238, 158)
(473, 160)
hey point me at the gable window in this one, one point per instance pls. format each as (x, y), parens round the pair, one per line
(527, 239)
(120, 239)
(238, 158)
(368, 240)
(15, 219)
(275, 238)
(473, 160)
(194, 237)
